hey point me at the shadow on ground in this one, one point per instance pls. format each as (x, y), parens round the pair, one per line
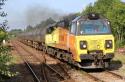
(25, 75)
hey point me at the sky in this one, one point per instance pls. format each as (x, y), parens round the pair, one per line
(24, 12)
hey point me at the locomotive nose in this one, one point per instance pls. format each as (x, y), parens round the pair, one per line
(95, 44)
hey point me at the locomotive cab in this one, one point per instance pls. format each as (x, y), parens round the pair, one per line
(94, 41)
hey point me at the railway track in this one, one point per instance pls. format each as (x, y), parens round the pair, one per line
(94, 78)
(106, 76)
(28, 60)
(59, 70)
(116, 75)
(99, 76)
(62, 74)
(60, 66)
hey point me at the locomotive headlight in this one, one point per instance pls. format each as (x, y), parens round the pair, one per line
(108, 44)
(83, 44)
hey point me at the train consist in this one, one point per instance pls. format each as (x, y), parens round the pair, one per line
(86, 42)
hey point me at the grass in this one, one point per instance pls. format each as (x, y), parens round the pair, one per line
(15, 59)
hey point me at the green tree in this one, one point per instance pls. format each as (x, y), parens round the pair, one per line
(29, 27)
(3, 26)
(14, 32)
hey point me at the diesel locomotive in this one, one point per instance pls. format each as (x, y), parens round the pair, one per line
(86, 41)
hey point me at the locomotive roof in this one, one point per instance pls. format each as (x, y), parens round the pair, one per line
(90, 16)
(76, 19)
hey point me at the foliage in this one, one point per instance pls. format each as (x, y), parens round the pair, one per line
(3, 35)
(3, 26)
(29, 27)
(14, 32)
(5, 59)
(114, 10)
(4, 51)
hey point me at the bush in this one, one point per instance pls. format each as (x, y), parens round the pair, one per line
(3, 35)
(120, 43)
(5, 59)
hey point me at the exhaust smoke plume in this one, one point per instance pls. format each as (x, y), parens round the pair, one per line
(36, 14)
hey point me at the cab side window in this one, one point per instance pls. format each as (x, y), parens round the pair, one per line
(73, 28)
(50, 30)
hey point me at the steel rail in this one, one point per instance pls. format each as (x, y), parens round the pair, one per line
(28, 65)
(41, 62)
(64, 71)
(63, 77)
(44, 73)
(117, 75)
(55, 71)
(93, 77)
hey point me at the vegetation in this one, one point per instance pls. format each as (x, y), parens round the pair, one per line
(5, 64)
(120, 57)
(14, 32)
(4, 50)
(114, 10)
(2, 35)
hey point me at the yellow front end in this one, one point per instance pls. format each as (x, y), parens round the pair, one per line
(53, 38)
(95, 44)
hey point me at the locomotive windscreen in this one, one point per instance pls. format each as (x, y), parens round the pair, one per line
(94, 27)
